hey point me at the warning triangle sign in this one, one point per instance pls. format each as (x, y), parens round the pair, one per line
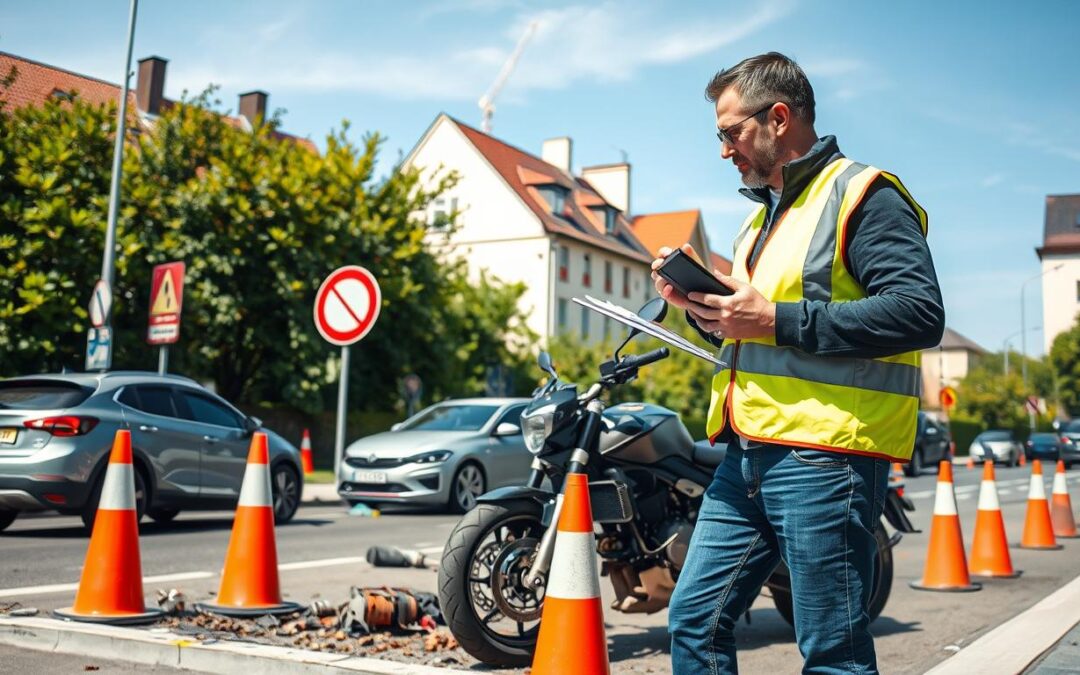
(165, 300)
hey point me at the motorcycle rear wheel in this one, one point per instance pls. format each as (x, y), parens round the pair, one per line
(883, 578)
(488, 537)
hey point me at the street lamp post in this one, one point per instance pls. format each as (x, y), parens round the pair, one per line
(1023, 320)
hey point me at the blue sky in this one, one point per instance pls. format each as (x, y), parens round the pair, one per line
(973, 104)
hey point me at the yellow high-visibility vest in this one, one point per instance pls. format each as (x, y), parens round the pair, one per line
(782, 395)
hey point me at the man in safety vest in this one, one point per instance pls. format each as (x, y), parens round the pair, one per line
(834, 295)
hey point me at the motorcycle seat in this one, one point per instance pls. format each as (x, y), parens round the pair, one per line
(709, 455)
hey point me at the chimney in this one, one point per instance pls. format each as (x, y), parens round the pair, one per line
(557, 152)
(612, 181)
(253, 107)
(150, 87)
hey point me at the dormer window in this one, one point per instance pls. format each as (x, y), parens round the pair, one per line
(555, 196)
(1077, 219)
(61, 95)
(606, 215)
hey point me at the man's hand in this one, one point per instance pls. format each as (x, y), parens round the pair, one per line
(663, 288)
(743, 314)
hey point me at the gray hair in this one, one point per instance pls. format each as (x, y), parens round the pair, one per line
(766, 78)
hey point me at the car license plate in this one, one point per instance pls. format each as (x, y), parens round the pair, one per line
(8, 436)
(370, 477)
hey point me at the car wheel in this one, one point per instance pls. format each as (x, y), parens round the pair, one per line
(467, 485)
(163, 515)
(285, 486)
(89, 510)
(7, 517)
(914, 468)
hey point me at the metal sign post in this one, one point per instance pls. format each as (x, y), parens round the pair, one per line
(346, 307)
(166, 302)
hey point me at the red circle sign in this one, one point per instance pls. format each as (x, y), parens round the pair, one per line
(347, 305)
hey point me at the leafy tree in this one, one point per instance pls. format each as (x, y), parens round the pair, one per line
(995, 400)
(1065, 357)
(259, 221)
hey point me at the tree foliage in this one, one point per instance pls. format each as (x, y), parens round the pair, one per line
(1065, 358)
(995, 400)
(259, 221)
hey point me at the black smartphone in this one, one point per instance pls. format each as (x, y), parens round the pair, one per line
(687, 275)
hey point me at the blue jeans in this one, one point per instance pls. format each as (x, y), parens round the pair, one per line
(814, 510)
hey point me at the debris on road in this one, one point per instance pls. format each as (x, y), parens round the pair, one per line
(15, 609)
(363, 511)
(171, 601)
(391, 556)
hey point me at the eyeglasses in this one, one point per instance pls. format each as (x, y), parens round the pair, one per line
(725, 134)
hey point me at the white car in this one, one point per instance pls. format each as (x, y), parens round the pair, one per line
(999, 445)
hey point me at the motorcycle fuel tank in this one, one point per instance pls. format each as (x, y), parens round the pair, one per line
(642, 433)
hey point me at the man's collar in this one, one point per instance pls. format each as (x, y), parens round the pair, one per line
(799, 172)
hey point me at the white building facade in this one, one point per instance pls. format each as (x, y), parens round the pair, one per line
(1060, 256)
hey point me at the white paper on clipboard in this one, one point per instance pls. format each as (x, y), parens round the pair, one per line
(628, 318)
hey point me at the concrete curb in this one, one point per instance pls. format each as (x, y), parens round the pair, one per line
(178, 651)
(1017, 643)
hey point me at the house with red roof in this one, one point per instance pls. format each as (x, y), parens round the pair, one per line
(35, 83)
(1060, 256)
(528, 218)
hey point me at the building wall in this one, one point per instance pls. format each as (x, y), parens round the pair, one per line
(1060, 296)
(953, 363)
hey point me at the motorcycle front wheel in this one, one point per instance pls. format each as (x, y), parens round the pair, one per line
(883, 578)
(488, 607)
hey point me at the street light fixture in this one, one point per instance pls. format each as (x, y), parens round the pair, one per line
(1023, 316)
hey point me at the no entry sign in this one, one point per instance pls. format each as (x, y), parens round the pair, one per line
(347, 305)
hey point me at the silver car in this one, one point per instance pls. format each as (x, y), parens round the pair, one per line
(998, 445)
(448, 454)
(189, 445)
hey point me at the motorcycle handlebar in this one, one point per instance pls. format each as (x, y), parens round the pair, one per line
(637, 361)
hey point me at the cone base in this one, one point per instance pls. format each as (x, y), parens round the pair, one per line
(229, 610)
(1053, 547)
(997, 575)
(149, 616)
(917, 585)
(1067, 536)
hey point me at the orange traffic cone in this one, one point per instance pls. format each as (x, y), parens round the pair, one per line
(1022, 460)
(111, 590)
(946, 567)
(1038, 529)
(896, 477)
(572, 635)
(1061, 513)
(305, 454)
(990, 548)
(249, 584)
(970, 462)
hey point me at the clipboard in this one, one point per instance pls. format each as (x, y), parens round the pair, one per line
(628, 318)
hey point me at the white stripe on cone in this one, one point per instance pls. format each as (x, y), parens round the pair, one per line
(305, 442)
(573, 574)
(988, 498)
(945, 500)
(1059, 484)
(118, 491)
(256, 488)
(1036, 489)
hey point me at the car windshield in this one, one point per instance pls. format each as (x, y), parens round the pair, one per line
(995, 436)
(451, 418)
(41, 395)
(1073, 427)
(1044, 439)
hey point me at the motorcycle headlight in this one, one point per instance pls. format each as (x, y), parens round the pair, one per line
(430, 457)
(536, 426)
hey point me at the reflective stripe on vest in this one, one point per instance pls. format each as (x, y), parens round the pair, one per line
(783, 395)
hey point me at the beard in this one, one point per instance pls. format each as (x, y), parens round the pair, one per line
(760, 162)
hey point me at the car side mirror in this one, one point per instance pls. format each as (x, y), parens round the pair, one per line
(507, 429)
(931, 431)
(397, 425)
(252, 424)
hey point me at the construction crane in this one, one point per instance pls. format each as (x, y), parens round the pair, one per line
(487, 101)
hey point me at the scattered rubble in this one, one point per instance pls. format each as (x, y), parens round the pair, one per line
(15, 609)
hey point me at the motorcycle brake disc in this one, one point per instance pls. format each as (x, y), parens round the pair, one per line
(512, 596)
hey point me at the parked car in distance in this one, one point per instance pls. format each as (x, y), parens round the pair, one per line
(1044, 446)
(933, 443)
(446, 455)
(189, 446)
(999, 445)
(1070, 442)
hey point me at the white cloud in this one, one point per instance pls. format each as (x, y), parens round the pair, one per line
(599, 43)
(992, 180)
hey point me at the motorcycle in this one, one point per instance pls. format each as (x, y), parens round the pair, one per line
(646, 481)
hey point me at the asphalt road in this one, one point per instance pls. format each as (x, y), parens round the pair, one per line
(321, 555)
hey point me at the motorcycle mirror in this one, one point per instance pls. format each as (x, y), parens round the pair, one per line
(654, 310)
(544, 361)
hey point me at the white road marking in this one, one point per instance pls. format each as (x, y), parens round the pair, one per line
(432, 549)
(61, 588)
(326, 562)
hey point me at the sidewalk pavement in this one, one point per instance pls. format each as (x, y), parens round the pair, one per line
(320, 493)
(1062, 658)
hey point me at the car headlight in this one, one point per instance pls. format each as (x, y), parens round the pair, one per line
(536, 426)
(430, 457)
